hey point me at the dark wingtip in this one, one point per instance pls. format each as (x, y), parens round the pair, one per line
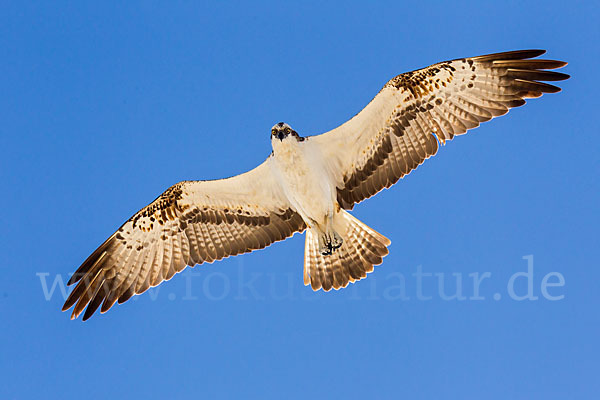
(538, 52)
(530, 53)
(71, 300)
(511, 55)
(555, 64)
(559, 76)
(74, 278)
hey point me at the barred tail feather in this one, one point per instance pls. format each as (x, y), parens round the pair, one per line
(362, 249)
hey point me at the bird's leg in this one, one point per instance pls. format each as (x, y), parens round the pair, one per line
(329, 240)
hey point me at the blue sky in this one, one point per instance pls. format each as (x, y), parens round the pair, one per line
(103, 106)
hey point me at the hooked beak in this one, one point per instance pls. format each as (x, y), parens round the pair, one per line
(280, 135)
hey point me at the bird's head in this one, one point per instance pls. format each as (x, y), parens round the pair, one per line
(281, 132)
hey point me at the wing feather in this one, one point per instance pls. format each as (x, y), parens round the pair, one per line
(400, 128)
(191, 223)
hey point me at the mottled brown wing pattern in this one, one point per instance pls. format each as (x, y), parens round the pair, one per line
(185, 226)
(417, 109)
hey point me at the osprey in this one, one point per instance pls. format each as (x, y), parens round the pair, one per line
(309, 183)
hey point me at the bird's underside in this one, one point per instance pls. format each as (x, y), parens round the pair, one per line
(202, 221)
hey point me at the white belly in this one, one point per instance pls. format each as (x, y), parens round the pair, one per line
(301, 171)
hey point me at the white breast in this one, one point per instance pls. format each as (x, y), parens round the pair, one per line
(300, 169)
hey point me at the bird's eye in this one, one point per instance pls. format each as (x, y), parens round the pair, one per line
(274, 132)
(287, 130)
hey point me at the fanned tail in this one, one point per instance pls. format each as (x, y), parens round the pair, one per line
(361, 250)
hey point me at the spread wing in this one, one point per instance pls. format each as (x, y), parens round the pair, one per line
(400, 128)
(191, 223)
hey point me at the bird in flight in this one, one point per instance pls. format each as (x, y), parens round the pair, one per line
(310, 183)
